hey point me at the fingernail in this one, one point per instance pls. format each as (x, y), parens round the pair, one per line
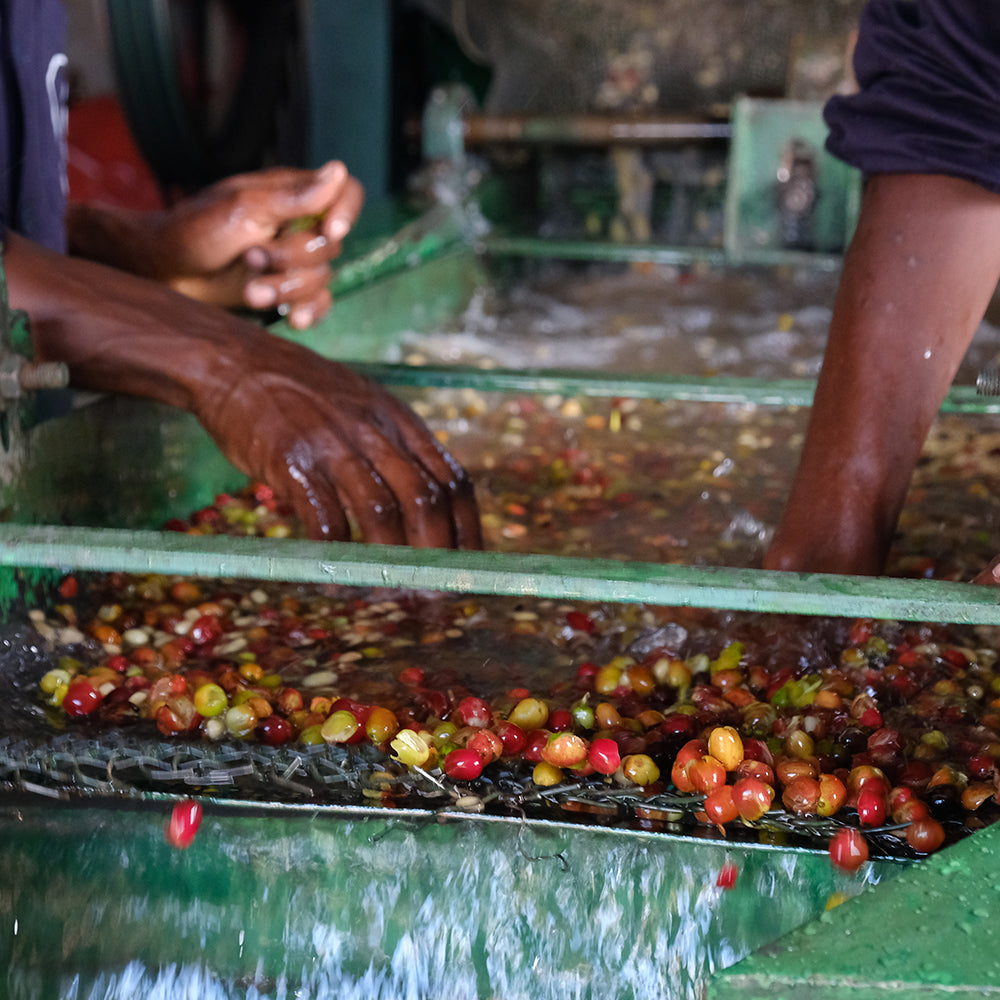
(257, 258)
(338, 228)
(301, 318)
(332, 169)
(259, 295)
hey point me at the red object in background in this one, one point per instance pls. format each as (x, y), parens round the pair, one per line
(104, 164)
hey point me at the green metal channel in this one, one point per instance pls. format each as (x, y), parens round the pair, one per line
(95, 904)
(692, 388)
(106, 549)
(601, 251)
(437, 231)
(929, 933)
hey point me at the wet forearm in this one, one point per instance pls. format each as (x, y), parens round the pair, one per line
(919, 274)
(119, 333)
(121, 238)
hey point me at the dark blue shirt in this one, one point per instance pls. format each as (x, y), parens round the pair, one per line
(33, 93)
(929, 101)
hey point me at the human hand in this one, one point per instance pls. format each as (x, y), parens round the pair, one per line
(341, 449)
(990, 575)
(262, 240)
(338, 447)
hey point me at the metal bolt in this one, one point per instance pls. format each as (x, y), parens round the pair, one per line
(44, 375)
(18, 376)
(988, 382)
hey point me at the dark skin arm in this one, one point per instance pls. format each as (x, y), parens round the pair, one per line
(262, 240)
(917, 279)
(331, 442)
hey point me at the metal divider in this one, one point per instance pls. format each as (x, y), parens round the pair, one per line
(521, 575)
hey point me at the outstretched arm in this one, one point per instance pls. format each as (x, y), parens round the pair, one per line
(919, 274)
(334, 444)
(261, 240)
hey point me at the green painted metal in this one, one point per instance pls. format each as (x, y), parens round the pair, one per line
(500, 245)
(108, 549)
(762, 131)
(350, 71)
(310, 902)
(412, 287)
(931, 933)
(691, 388)
(436, 231)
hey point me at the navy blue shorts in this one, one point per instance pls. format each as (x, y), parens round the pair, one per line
(929, 101)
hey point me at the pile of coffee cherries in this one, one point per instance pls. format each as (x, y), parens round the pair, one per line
(894, 739)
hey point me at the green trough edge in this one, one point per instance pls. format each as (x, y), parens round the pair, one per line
(693, 388)
(647, 253)
(355, 564)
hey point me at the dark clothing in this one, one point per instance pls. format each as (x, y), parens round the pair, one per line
(33, 94)
(929, 101)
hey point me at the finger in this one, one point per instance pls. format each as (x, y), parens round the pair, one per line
(245, 214)
(340, 468)
(990, 576)
(289, 250)
(370, 498)
(459, 490)
(303, 295)
(393, 499)
(390, 494)
(287, 196)
(303, 315)
(287, 241)
(262, 291)
(315, 502)
(343, 213)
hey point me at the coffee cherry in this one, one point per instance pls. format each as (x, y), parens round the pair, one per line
(81, 698)
(720, 806)
(463, 765)
(726, 878)
(640, 769)
(409, 748)
(604, 756)
(341, 727)
(565, 750)
(274, 730)
(925, 835)
(473, 712)
(871, 806)
(831, 794)
(185, 819)
(726, 746)
(529, 713)
(752, 798)
(210, 700)
(707, 774)
(801, 795)
(848, 849)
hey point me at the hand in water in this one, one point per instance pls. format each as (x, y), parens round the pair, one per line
(342, 450)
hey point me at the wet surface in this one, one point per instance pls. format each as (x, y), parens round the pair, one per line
(630, 479)
(693, 483)
(760, 323)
